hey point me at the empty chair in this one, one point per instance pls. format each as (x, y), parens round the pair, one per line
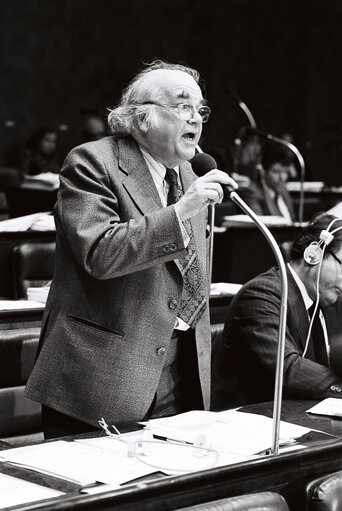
(33, 266)
(264, 501)
(325, 493)
(20, 420)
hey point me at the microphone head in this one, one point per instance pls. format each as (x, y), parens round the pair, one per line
(203, 163)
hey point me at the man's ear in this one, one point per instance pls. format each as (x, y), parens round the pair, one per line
(142, 124)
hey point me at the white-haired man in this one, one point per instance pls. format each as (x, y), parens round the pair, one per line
(125, 334)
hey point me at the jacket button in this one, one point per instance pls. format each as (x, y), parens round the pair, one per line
(166, 249)
(173, 304)
(173, 247)
(160, 351)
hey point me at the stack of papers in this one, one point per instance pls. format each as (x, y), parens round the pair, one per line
(10, 305)
(38, 294)
(33, 222)
(308, 186)
(48, 179)
(224, 289)
(77, 462)
(242, 220)
(331, 406)
(228, 432)
(16, 491)
(336, 210)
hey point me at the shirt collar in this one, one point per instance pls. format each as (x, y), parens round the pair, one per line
(306, 298)
(156, 167)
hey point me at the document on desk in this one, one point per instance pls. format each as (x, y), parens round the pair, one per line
(15, 491)
(331, 406)
(230, 432)
(8, 305)
(79, 463)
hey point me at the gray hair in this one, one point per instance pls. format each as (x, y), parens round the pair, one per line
(123, 118)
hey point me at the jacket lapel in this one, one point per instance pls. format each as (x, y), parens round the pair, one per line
(138, 182)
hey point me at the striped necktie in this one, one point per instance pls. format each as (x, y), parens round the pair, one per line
(318, 340)
(194, 301)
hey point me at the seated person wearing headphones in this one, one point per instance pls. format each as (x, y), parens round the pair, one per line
(244, 360)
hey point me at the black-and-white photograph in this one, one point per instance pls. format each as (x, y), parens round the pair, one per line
(171, 255)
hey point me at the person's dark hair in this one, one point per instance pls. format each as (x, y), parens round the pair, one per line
(34, 140)
(311, 233)
(276, 153)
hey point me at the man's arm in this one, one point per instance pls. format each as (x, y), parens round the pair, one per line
(90, 214)
(256, 320)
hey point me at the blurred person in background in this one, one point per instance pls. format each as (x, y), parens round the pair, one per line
(93, 128)
(268, 194)
(40, 153)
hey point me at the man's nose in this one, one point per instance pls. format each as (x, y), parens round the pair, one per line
(195, 117)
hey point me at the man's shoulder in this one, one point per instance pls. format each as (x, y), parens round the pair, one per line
(95, 146)
(268, 279)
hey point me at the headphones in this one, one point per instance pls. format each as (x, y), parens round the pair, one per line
(313, 254)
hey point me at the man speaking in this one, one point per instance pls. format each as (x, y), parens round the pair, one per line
(244, 363)
(126, 334)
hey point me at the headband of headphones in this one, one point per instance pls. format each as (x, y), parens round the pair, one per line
(315, 251)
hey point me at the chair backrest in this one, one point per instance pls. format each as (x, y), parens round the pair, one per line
(263, 501)
(10, 178)
(325, 493)
(20, 419)
(216, 332)
(32, 266)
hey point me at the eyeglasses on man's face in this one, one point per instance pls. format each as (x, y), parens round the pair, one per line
(186, 111)
(335, 257)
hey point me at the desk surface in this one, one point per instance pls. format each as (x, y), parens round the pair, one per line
(286, 473)
(20, 318)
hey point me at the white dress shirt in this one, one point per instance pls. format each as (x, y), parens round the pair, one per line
(158, 171)
(308, 302)
(284, 210)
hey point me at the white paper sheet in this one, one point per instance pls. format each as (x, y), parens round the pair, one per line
(14, 491)
(9, 305)
(224, 289)
(269, 220)
(44, 222)
(230, 432)
(330, 406)
(76, 462)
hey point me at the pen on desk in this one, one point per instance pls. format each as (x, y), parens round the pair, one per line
(167, 439)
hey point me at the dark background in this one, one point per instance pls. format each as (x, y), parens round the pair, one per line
(282, 57)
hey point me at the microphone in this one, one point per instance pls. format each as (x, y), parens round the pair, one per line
(201, 164)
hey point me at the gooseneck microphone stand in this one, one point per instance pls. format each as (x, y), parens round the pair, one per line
(244, 108)
(289, 145)
(278, 386)
(301, 162)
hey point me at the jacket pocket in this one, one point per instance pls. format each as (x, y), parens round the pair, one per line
(93, 325)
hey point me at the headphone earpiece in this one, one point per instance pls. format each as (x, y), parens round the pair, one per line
(313, 253)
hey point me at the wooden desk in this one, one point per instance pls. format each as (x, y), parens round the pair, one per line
(21, 318)
(8, 240)
(242, 252)
(286, 474)
(315, 201)
(27, 199)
